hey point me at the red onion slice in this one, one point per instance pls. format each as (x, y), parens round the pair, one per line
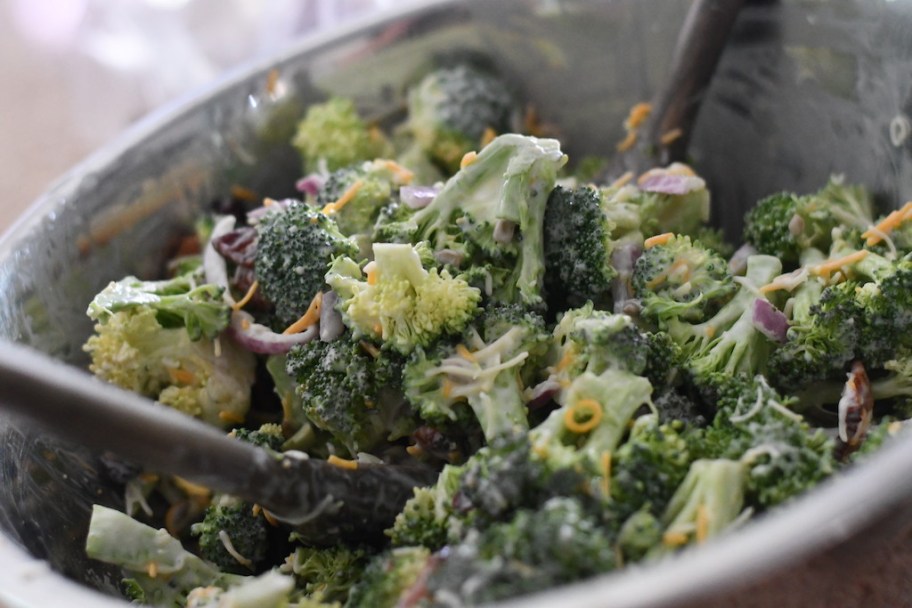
(260, 339)
(543, 393)
(769, 321)
(214, 266)
(310, 184)
(418, 197)
(672, 184)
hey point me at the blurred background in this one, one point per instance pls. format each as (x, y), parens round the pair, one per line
(76, 73)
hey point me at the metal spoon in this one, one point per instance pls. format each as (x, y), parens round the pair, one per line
(323, 502)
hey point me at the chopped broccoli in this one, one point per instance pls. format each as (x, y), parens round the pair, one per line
(268, 436)
(785, 224)
(452, 107)
(491, 213)
(350, 392)
(681, 279)
(295, 245)
(205, 378)
(558, 543)
(486, 371)
(353, 196)
(231, 536)
(388, 577)
(333, 133)
(399, 302)
(161, 570)
(269, 590)
(577, 244)
(425, 518)
(326, 574)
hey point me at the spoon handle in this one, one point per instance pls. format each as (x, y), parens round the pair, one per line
(310, 494)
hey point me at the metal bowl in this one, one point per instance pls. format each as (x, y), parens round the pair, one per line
(805, 89)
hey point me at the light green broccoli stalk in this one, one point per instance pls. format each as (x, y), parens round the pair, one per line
(332, 132)
(326, 574)
(164, 345)
(397, 301)
(269, 590)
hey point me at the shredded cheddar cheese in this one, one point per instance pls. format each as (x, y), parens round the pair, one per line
(702, 529)
(404, 175)
(877, 233)
(152, 569)
(628, 141)
(638, 115)
(230, 417)
(674, 539)
(467, 159)
(247, 296)
(347, 196)
(583, 407)
(181, 376)
(414, 451)
(488, 136)
(244, 194)
(622, 180)
(669, 137)
(342, 463)
(606, 472)
(830, 266)
(309, 318)
(465, 353)
(659, 239)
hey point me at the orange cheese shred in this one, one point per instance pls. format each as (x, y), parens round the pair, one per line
(830, 266)
(465, 353)
(638, 114)
(230, 417)
(659, 239)
(488, 136)
(628, 141)
(181, 376)
(247, 296)
(402, 174)
(467, 159)
(582, 407)
(702, 524)
(309, 318)
(876, 233)
(342, 463)
(346, 198)
(606, 473)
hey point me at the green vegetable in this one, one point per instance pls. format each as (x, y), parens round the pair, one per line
(333, 133)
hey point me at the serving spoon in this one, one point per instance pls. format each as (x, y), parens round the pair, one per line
(322, 501)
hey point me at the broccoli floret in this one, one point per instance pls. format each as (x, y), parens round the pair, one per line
(231, 536)
(782, 455)
(204, 378)
(269, 590)
(161, 570)
(537, 549)
(388, 577)
(181, 302)
(877, 436)
(681, 279)
(295, 245)
(492, 212)
(350, 392)
(672, 199)
(664, 361)
(577, 243)
(896, 386)
(708, 500)
(729, 341)
(268, 436)
(333, 133)
(672, 406)
(326, 575)
(786, 224)
(451, 108)
(647, 469)
(399, 302)
(822, 335)
(486, 370)
(425, 518)
(353, 196)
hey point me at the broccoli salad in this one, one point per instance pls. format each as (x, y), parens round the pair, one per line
(596, 375)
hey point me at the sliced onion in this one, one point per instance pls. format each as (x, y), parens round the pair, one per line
(769, 321)
(623, 259)
(504, 231)
(214, 266)
(418, 197)
(452, 257)
(737, 265)
(310, 184)
(666, 183)
(331, 326)
(542, 393)
(260, 339)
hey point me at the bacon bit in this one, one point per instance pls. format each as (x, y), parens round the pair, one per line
(244, 194)
(638, 115)
(311, 316)
(702, 531)
(876, 233)
(414, 451)
(583, 406)
(181, 376)
(464, 352)
(152, 569)
(827, 268)
(488, 136)
(346, 198)
(674, 539)
(622, 180)
(226, 416)
(272, 81)
(856, 407)
(628, 142)
(467, 159)
(405, 176)
(247, 296)
(669, 137)
(659, 239)
(606, 473)
(342, 463)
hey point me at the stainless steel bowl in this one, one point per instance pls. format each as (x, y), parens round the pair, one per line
(805, 89)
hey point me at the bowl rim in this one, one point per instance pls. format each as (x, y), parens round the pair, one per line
(824, 517)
